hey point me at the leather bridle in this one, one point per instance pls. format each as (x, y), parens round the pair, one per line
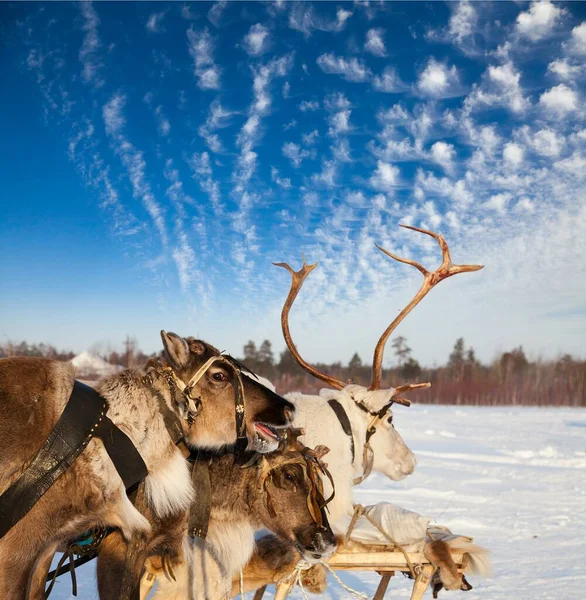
(190, 404)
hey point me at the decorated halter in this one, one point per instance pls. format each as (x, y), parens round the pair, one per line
(190, 404)
(312, 467)
(359, 395)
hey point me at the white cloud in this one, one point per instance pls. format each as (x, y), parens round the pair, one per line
(295, 153)
(283, 182)
(525, 205)
(351, 69)
(200, 163)
(559, 100)
(341, 150)
(573, 165)
(112, 112)
(539, 21)
(463, 22)
(563, 69)
(336, 101)
(256, 41)
(154, 23)
(327, 176)
(375, 43)
(310, 138)
(389, 82)
(133, 160)
(513, 155)
(309, 105)
(498, 202)
(88, 53)
(385, 177)
(339, 122)
(577, 42)
(439, 81)
(216, 11)
(547, 142)
(201, 47)
(302, 17)
(164, 126)
(443, 154)
(500, 86)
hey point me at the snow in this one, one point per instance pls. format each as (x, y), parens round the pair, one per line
(90, 364)
(514, 478)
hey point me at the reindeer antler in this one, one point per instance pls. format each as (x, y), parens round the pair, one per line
(297, 279)
(430, 279)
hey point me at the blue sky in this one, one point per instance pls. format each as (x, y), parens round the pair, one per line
(157, 157)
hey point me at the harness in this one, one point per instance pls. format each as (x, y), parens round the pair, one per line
(313, 468)
(190, 405)
(367, 451)
(83, 419)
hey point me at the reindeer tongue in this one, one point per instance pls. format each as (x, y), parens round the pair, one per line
(265, 431)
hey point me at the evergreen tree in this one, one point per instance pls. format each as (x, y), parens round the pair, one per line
(265, 353)
(250, 351)
(402, 351)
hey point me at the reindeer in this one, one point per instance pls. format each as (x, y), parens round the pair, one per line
(356, 423)
(281, 492)
(191, 387)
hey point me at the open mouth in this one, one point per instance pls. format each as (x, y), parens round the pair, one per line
(266, 432)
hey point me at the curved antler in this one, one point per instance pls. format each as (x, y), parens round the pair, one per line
(430, 279)
(297, 279)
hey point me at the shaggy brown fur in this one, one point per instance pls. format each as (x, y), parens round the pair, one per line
(33, 393)
(272, 561)
(239, 505)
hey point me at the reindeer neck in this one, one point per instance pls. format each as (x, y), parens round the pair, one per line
(134, 403)
(233, 490)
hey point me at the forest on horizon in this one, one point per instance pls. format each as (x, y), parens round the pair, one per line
(510, 379)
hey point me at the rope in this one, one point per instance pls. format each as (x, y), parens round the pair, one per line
(360, 511)
(241, 585)
(351, 591)
(294, 578)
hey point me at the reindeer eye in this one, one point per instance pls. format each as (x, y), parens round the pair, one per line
(219, 376)
(289, 477)
(390, 420)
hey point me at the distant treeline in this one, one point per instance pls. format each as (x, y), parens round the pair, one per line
(510, 379)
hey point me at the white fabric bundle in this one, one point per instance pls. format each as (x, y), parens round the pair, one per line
(404, 527)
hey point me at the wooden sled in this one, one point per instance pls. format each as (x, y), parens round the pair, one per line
(384, 560)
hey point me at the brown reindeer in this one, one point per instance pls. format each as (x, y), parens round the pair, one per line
(279, 491)
(91, 494)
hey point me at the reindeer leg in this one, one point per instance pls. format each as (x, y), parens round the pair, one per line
(19, 550)
(38, 579)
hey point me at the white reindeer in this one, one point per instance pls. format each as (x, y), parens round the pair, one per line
(366, 411)
(369, 427)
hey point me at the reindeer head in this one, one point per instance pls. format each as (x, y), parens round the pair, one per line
(218, 402)
(290, 498)
(384, 448)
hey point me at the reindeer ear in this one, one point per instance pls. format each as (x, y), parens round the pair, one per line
(176, 349)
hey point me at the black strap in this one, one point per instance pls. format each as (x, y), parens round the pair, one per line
(344, 422)
(83, 418)
(240, 412)
(67, 440)
(200, 510)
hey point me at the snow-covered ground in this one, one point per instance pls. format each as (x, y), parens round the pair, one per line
(513, 478)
